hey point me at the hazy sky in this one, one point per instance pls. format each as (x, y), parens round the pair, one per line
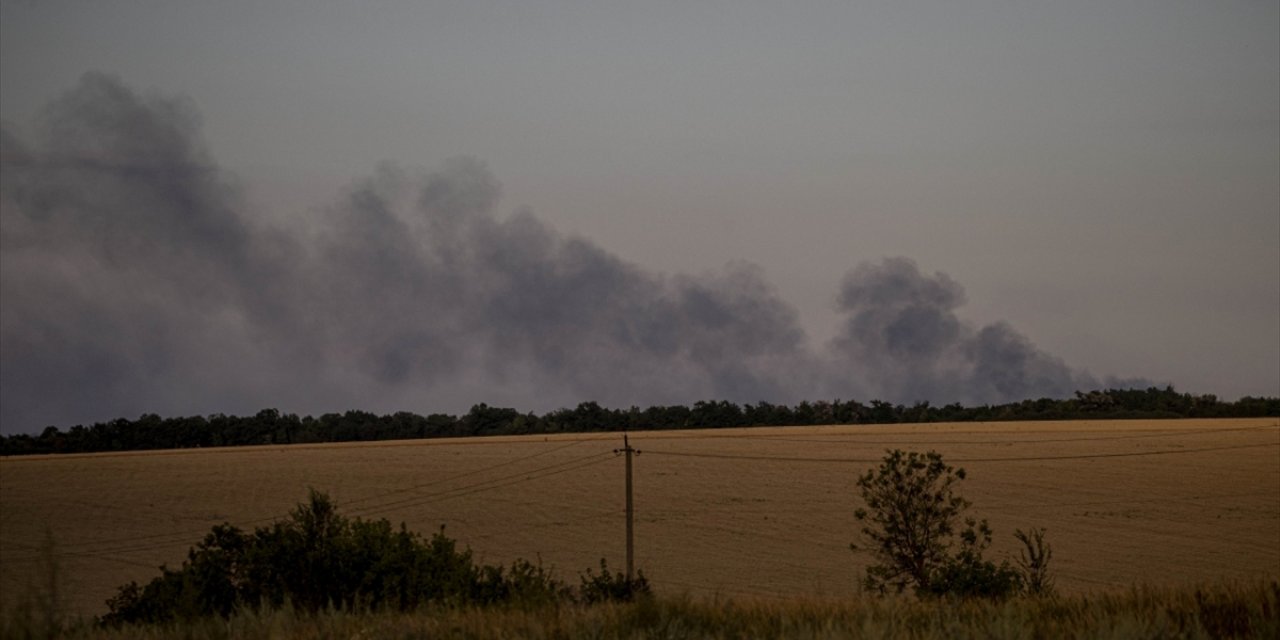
(424, 205)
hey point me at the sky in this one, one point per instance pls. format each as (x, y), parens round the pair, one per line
(320, 206)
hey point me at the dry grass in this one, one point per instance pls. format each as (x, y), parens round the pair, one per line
(1204, 507)
(1219, 611)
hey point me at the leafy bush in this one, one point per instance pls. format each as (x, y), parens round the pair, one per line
(969, 575)
(320, 560)
(612, 587)
(911, 522)
(523, 582)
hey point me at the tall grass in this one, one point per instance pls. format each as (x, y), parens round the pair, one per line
(1250, 610)
(38, 610)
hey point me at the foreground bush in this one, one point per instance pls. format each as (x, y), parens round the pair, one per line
(318, 560)
(612, 587)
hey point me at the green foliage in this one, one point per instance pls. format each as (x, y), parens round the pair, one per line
(969, 575)
(612, 587)
(523, 583)
(911, 527)
(909, 519)
(319, 560)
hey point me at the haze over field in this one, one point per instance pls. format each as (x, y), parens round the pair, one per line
(632, 205)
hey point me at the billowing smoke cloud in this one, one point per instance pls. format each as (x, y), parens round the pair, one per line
(134, 279)
(902, 328)
(416, 282)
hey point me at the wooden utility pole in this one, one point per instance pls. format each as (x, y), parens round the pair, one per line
(626, 448)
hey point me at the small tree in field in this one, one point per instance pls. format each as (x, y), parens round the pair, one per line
(910, 515)
(910, 522)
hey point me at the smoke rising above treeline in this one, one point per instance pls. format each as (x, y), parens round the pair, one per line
(134, 278)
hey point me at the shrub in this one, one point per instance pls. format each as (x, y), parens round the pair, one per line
(1034, 562)
(911, 523)
(909, 519)
(319, 560)
(969, 575)
(612, 587)
(522, 583)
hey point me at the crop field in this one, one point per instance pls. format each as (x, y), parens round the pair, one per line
(756, 514)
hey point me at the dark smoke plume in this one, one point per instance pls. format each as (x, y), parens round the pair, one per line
(134, 279)
(903, 331)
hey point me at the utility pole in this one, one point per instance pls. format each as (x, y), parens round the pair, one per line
(626, 448)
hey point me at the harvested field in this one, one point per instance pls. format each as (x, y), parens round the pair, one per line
(763, 513)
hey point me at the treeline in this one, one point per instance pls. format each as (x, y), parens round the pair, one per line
(269, 426)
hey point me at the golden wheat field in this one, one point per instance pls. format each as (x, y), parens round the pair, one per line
(757, 513)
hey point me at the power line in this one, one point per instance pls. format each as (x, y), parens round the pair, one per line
(245, 523)
(558, 523)
(858, 437)
(1196, 500)
(61, 554)
(96, 548)
(424, 485)
(480, 486)
(760, 458)
(176, 538)
(1131, 454)
(863, 429)
(171, 539)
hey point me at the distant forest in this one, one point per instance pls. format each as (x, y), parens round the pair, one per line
(269, 426)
